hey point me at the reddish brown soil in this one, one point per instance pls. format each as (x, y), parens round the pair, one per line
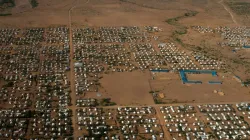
(128, 88)
(175, 90)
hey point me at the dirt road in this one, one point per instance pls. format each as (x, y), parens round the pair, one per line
(177, 104)
(229, 11)
(72, 73)
(162, 123)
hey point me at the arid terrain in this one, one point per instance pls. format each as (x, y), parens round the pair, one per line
(124, 69)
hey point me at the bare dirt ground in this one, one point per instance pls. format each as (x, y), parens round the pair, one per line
(175, 91)
(128, 88)
(204, 78)
(114, 13)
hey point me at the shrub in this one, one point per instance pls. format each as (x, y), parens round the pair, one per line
(12, 2)
(5, 14)
(33, 3)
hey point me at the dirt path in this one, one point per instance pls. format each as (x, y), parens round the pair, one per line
(72, 75)
(72, 72)
(162, 123)
(229, 11)
(177, 104)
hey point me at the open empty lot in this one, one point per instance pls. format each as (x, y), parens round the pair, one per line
(128, 88)
(204, 78)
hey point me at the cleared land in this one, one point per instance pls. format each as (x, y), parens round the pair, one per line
(202, 77)
(128, 88)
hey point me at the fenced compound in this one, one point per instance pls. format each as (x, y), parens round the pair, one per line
(185, 79)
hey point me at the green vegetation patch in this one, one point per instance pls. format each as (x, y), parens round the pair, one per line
(180, 29)
(191, 13)
(34, 3)
(158, 101)
(6, 6)
(106, 102)
(247, 82)
(9, 84)
(174, 21)
(5, 14)
(9, 3)
(240, 8)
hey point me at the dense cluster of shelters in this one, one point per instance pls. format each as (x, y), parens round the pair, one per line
(244, 108)
(34, 64)
(210, 121)
(178, 59)
(224, 122)
(146, 56)
(51, 123)
(109, 35)
(215, 108)
(120, 123)
(233, 36)
(139, 122)
(97, 123)
(202, 29)
(208, 63)
(152, 29)
(86, 102)
(14, 123)
(182, 122)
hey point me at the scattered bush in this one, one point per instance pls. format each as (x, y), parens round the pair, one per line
(106, 102)
(151, 91)
(191, 13)
(5, 14)
(33, 3)
(9, 84)
(11, 2)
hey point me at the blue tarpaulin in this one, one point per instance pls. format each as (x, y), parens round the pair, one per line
(247, 47)
(159, 70)
(214, 82)
(185, 80)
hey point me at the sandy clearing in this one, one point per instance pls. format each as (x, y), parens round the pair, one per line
(128, 88)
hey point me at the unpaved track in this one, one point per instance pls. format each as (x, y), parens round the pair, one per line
(177, 104)
(229, 11)
(162, 123)
(72, 75)
(72, 72)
